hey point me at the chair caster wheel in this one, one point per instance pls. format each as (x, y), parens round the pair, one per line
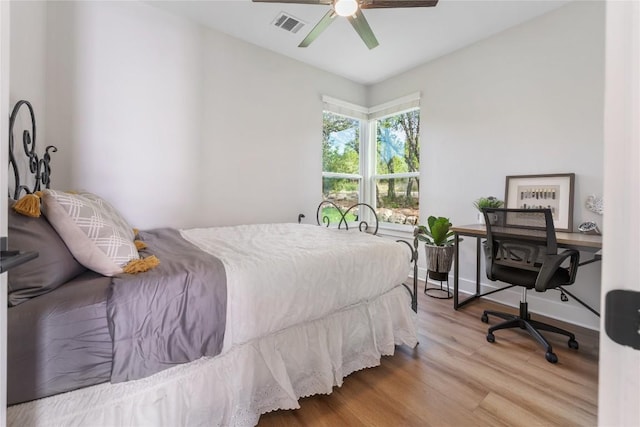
(573, 344)
(485, 318)
(551, 357)
(491, 337)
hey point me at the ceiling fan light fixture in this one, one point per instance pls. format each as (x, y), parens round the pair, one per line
(345, 7)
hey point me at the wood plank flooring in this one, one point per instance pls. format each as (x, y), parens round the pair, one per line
(454, 377)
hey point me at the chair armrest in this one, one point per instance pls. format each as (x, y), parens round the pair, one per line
(552, 263)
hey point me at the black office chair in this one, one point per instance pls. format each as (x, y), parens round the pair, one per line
(521, 249)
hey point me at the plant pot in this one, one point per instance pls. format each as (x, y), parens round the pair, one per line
(439, 276)
(493, 218)
(439, 261)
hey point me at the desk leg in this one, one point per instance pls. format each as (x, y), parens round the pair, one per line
(457, 303)
(456, 273)
(456, 269)
(478, 259)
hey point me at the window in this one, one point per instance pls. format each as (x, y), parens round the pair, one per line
(341, 177)
(397, 173)
(373, 156)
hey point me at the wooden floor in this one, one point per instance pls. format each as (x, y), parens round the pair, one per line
(454, 377)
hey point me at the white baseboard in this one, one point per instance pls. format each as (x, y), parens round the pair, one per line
(545, 303)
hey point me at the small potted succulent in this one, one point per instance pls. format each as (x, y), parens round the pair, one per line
(439, 246)
(486, 202)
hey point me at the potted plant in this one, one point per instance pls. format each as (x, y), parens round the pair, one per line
(439, 246)
(486, 202)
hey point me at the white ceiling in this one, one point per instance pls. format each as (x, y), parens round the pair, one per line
(408, 37)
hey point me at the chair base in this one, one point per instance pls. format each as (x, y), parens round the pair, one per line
(523, 321)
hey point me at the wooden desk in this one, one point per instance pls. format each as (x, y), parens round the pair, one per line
(582, 242)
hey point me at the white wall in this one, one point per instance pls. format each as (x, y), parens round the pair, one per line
(27, 65)
(263, 120)
(526, 101)
(28, 58)
(175, 124)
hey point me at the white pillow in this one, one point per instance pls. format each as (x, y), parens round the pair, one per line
(95, 233)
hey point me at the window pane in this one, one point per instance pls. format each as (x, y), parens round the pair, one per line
(342, 192)
(397, 200)
(398, 143)
(340, 144)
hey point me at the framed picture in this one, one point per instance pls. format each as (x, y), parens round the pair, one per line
(553, 191)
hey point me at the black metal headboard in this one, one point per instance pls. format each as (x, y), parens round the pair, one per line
(363, 225)
(40, 168)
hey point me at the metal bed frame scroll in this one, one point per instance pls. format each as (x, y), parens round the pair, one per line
(361, 218)
(39, 167)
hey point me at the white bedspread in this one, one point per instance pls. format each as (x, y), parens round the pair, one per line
(304, 271)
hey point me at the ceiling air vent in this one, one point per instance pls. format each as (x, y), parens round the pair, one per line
(288, 22)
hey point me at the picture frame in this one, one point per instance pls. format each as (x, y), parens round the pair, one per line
(554, 191)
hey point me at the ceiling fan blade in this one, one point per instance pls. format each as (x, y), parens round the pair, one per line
(378, 4)
(295, 1)
(360, 24)
(319, 28)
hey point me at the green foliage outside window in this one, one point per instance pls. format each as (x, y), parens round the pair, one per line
(335, 216)
(340, 144)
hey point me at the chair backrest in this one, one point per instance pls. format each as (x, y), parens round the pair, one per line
(519, 237)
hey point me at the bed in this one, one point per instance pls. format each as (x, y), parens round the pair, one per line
(234, 322)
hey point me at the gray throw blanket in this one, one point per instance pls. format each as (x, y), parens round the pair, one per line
(172, 314)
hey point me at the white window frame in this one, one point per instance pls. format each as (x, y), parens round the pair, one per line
(368, 150)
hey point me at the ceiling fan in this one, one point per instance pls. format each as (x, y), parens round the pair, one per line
(351, 9)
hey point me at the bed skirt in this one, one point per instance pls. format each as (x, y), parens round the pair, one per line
(250, 379)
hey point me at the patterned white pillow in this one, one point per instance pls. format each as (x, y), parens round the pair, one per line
(95, 233)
